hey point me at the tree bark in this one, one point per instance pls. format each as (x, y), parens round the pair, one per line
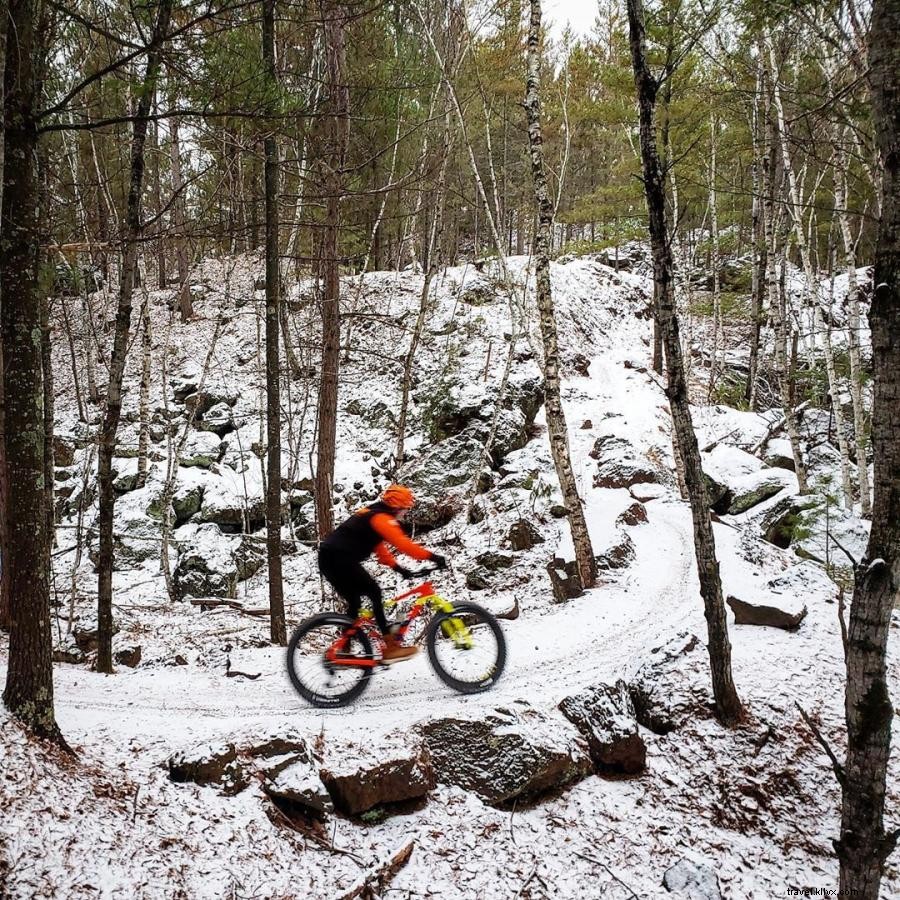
(334, 19)
(4, 496)
(131, 230)
(185, 304)
(728, 705)
(556, 419)
(273, 360)
(29, 679)
(864, 846)
(859, 414)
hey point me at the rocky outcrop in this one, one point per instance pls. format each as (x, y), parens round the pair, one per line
(202, 449)
(787, 614)
(508, 754)
(382, 778)
(606, 717)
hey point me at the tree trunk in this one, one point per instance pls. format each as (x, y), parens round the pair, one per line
(131, 230)
(4, 496)
(777, 305)
(718, 336)
(864, 846)
(29, 679)
(337, 135)
(273, 361)
(859, 413)
(144, 402)
(185, 305)
(728, 705)
(757, 275)
(556, 419)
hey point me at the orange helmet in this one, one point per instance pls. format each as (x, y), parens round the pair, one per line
(398, 496)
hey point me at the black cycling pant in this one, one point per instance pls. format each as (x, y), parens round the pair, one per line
(352, 582)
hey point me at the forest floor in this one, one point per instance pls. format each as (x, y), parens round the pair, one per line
(758, 805)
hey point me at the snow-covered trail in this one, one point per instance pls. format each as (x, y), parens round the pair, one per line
(591, 639)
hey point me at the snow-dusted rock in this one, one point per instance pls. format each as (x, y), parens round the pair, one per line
(296, 780)
(644, 493)
(620, 464)
(218, 419)
(635, 514)
(206, 567)
(378, 777)
(618, 554)
(755, 489)
(564, 579)
(202, 448)
(605, 715)
(523, 535)
(507, 754)
(209, 764)
(778, 454)
(129, 656)
(662, 690)
(692, 881)
(787, 614)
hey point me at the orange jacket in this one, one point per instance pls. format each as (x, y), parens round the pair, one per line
(389, 528)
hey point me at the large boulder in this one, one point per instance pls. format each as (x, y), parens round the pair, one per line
(619, 554)
(209, 764)
(620, 465)
(206, 566)
(293, 780)
(218, 419)
(775, 612)
(234, 501)
(606, 717)
(753, 490)
(439, 478)
(506, 755)
(379, 777)
(202, 449)
(782, 522)
(663, 691)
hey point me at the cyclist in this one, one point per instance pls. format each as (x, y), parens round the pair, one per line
(368, 530)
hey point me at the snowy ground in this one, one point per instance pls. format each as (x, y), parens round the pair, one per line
(759, 804)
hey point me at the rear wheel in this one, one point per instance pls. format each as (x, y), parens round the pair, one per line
(466, 648)
(329, 683)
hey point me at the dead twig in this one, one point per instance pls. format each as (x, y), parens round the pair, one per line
(609, 872)
(374, 884)
(838, 768)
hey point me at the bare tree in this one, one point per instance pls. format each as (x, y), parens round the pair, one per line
(728, 705)
(864, 845)
(334, 20)
(556, 418)
(273, 359)
(131, 230)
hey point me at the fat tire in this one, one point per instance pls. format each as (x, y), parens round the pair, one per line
(317, 700)
(481, 616)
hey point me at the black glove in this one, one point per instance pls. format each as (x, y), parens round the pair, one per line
(439, 561)
(403, 572)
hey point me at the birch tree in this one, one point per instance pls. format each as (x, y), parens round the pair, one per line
(556, 419)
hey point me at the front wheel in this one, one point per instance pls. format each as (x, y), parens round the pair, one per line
(328, 661)
(466, 648)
